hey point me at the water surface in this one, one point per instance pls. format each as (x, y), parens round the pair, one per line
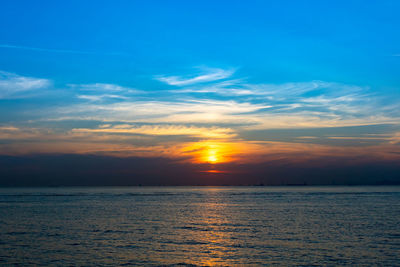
(200, 226)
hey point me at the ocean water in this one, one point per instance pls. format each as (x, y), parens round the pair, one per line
(202, 226)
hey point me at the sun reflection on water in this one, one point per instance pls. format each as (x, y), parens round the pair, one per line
(210, 230)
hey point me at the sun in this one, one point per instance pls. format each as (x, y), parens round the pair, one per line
(212, 156)
(211, 151)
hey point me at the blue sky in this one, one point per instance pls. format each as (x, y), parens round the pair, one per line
(152, 78)
(124, 42)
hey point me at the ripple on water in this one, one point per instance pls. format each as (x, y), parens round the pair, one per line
(200, 226)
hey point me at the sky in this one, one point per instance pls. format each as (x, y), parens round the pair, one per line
(199, 92)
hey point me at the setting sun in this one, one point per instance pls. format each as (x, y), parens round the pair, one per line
(218, 151)
(212, 156)
(212, 152)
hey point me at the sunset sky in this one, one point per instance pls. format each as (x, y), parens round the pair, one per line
(220, 88)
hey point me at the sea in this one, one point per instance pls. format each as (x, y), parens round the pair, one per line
(200, 226)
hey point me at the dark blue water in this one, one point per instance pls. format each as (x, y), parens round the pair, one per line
(200, 226)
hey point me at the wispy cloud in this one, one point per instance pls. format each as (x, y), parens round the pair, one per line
(234, 101)
(101, 97)
(52, 50)
(166, 130)
(239, 87)
(237, 102)
(173, 111)
(103, 87)
(301, 104)
(13, 85)
(210, 74)
(97, 92)
(107, 117)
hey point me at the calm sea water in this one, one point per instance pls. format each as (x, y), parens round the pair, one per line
(200, 226)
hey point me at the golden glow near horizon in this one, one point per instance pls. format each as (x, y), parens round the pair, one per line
(212, 152)
(212, 155)
(208, 152)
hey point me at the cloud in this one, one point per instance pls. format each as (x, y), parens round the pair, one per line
(244, 105)
(100, 97)
(212, 74)
(97, 92)
(255, 106)
(395, 139)
(159, 130)
(190, 111)
(12, 133)
(13, 85)
(103, 87)
(223, 144)
(113, 119)
(240, 87)
(51, 50)
(301, 104)
(28, 141)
